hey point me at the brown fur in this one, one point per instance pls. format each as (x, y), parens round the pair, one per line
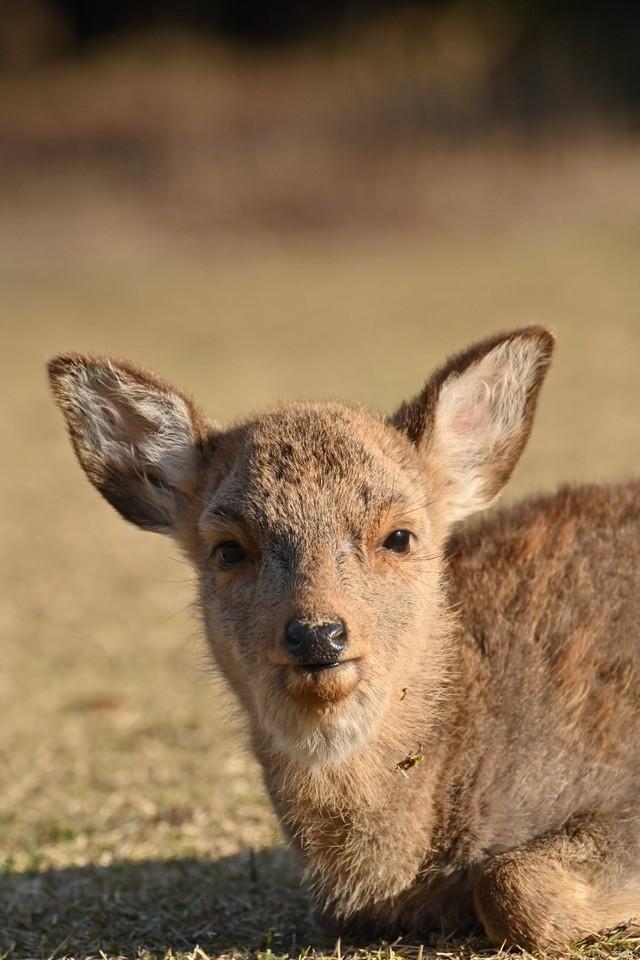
(476, 754)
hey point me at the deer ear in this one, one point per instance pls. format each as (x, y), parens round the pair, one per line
(138, 440)
(473, 418)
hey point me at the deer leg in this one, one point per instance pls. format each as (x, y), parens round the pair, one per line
(580, 881)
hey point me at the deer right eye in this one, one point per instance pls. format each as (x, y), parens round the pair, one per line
(398, 542)
(229, 553)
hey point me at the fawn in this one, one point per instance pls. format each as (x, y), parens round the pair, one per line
(448, 722)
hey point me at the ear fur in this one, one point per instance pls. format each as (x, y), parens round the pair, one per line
(139, 440)
(473, 418)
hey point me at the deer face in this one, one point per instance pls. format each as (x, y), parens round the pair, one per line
(319, 569)
(317, 530)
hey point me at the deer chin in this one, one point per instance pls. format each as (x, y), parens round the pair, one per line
(320, 720)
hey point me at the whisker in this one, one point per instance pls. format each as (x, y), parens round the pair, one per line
(188, 580)
(180, 560)
(192, 605)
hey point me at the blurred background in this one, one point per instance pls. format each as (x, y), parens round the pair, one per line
(264, 201)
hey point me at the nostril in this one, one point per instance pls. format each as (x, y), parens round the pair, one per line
(294, 637)
(314, 642)
(334, 633)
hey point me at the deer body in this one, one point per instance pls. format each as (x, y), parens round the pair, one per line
(448, 722)
(535, 734)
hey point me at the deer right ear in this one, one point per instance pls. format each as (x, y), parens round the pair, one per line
(473, 418)
(139, 441)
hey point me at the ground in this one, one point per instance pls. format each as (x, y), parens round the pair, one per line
(132, 820)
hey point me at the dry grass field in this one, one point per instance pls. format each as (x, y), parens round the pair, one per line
(132, 821)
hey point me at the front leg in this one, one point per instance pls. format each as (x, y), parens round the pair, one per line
(582, 880)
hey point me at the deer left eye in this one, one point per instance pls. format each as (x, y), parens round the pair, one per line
(229, 553)
(398, 542)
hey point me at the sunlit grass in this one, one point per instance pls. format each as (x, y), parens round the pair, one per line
(132, 821)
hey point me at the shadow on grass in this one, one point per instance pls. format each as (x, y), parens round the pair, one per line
(239, 903)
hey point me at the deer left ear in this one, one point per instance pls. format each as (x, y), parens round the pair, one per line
(139, 440)
(473, 418)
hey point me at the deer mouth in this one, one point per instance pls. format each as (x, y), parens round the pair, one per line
(315, 668)
(325, 682)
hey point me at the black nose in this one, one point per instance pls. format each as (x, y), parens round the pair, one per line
(315, 643)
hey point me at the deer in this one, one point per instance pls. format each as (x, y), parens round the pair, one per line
(446, 714)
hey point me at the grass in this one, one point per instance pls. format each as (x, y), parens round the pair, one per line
(132, 821)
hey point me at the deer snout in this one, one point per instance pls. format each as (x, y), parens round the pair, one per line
(315, 643)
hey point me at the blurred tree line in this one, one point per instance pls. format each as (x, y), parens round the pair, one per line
(553, 56)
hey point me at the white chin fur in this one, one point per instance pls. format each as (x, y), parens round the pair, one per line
(325, 739)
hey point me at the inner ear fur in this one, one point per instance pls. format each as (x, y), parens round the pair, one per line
(138, 439)
(472, 420)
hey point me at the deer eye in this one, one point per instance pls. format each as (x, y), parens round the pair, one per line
(229, 553)
(398, 542)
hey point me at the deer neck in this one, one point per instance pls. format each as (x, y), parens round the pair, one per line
(364, 825)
